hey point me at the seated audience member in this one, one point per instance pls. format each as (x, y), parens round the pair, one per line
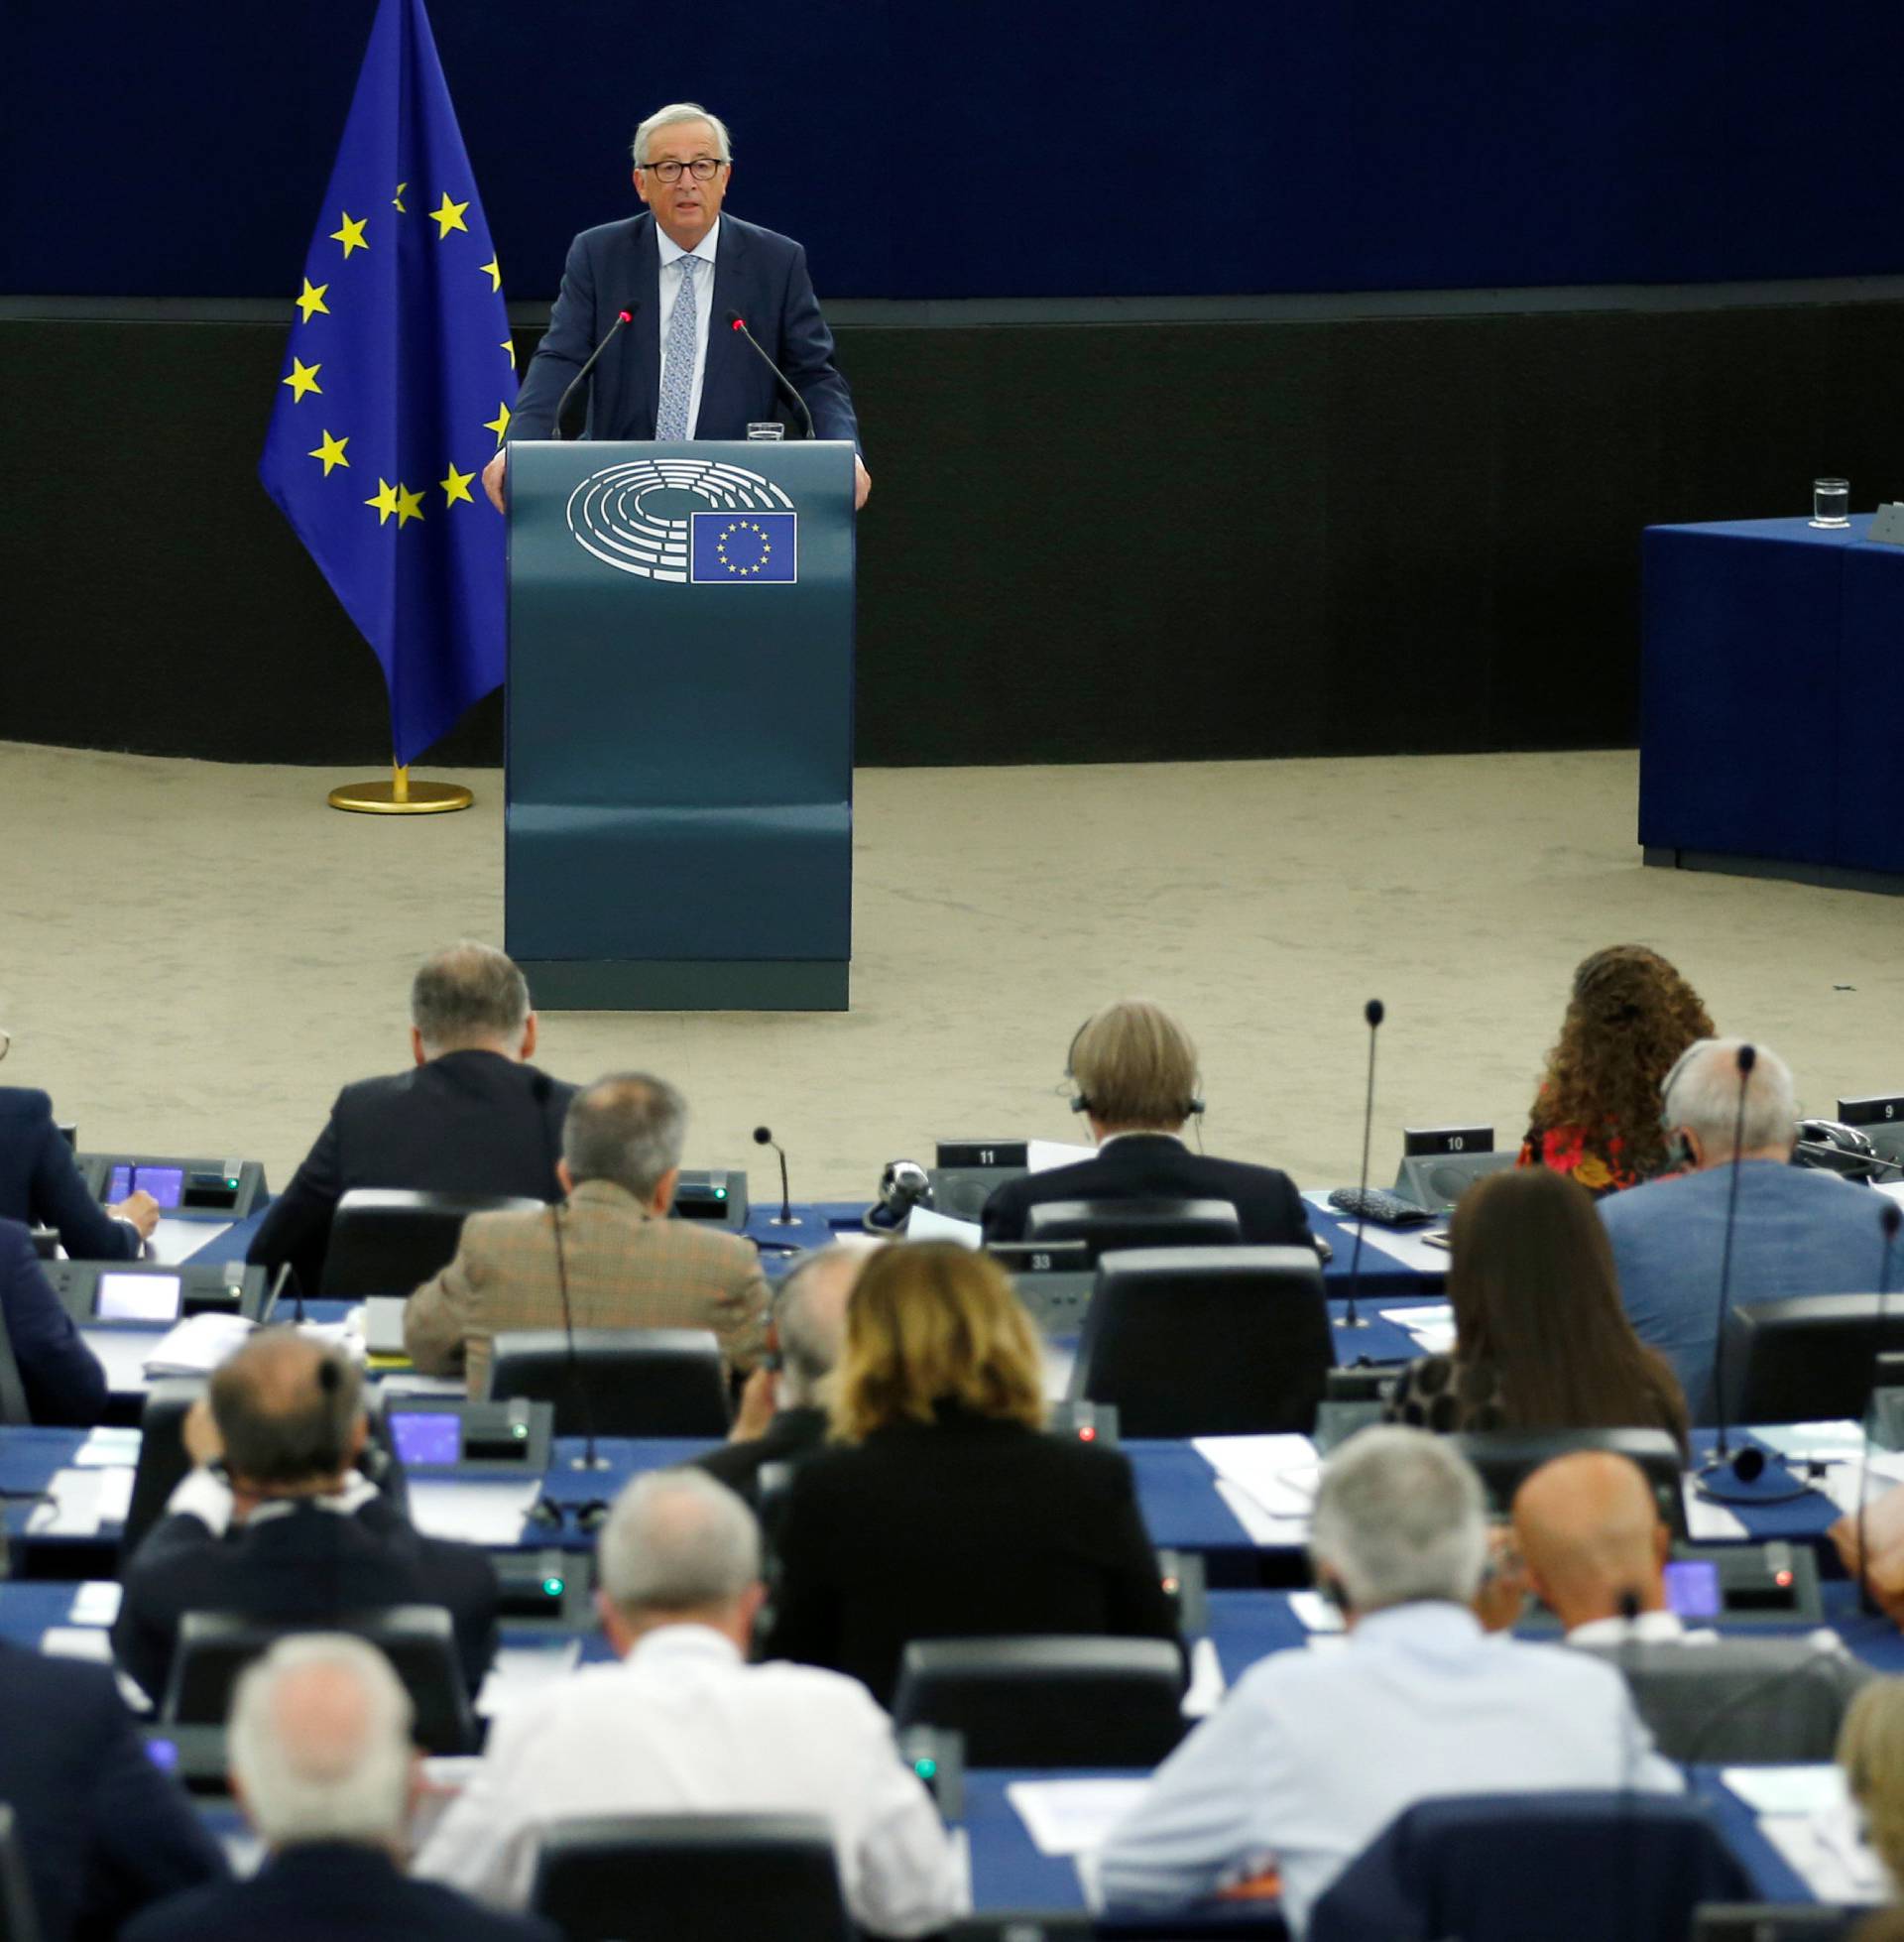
(682, 1723)
(949, 1514)
(1597, 1112)
(608, 1255)
(285, 1528)
(60, 1375)
(1871, 1548)
(321, 1761)
(1313, 1754)
(1541, 1340)
(1797, 1231)
(1135, 1071)
(41, 1186)
(1870, 1750)
(102, 1831)
(782, 1413)
(471, 1116)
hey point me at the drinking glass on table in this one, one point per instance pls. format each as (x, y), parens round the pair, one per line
(1830, 502)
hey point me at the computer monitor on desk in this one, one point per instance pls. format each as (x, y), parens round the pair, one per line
(1053, 1279)
(1506, 1458)
(185, 1189)
(450, 1438)
(154, 1293)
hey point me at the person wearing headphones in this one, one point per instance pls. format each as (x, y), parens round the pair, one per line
(1134, 1068)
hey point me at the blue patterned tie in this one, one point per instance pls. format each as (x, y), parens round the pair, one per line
(677, 360)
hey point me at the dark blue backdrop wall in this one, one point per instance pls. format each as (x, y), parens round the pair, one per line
(960, 147)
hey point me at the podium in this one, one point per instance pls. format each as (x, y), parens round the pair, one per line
(678, 829)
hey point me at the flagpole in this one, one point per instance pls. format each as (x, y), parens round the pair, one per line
(400, 797)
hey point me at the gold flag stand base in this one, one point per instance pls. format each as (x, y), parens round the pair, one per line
(400, 797)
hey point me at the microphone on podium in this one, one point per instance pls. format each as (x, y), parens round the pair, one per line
(738, 322)
(613, 330)
(763, 1137)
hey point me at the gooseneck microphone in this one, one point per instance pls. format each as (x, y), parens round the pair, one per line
(1374, 1012)
(738, 322)
(762, 1137)
(1890, 1217)
(613, 330)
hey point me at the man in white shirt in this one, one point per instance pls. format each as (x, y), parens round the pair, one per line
(682, 1724)
(1314, 1753)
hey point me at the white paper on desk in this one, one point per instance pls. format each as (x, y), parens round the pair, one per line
(1807, 1789)
(1842, 1438)
(75, 1510)
(1432, 1326)
(175, 1241)
(929, 1223)
(1314, 1613)
(521, 1673)
(108, 1449)
(96, 1602)
(1068, 1817)
(1273, 1533)
(1826, 1855)
(1281, 1473)
(407, 1382)
(1708, 1523)
(1041, 1155)
(477, 1512)
(197, 1345)
(78, 1642)
(114, 1502)
(1843, 1483)
(1207, 1686)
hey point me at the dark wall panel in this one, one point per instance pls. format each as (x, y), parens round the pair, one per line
(1106, 542)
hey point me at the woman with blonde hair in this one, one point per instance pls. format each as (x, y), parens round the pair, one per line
(1871, 1750)
(943, 1511)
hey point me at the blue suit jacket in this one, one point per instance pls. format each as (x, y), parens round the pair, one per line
(1799, 1232)
(104, 1832)
(59, 1373)
(755, 272)
(325, 1891)
(41, 1182)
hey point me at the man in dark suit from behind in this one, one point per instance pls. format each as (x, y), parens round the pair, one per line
(59, 1374)
(472, 1116)
(784, 1408)
(321, 1761)
(42, 1185)
(278, 1521)
(102, 1831)
(1133, 1070)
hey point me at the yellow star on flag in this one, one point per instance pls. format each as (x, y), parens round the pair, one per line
(509, 344)
(308, 299)
(303, 378)
(498, 425)
(409, 506)
(331, 451)
(384, 501)
(494, 268)
(457, 486)
(351, 235)
(396, 201)
(448, 218)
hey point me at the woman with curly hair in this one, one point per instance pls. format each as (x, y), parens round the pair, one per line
(1870, 1750)
(1597, 1114)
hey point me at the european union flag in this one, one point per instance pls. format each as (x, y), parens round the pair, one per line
(400, 379)
(745, 549)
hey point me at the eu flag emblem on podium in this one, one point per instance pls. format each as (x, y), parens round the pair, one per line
(744, 550)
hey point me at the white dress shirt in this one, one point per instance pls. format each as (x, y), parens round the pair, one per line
(1314, 1753)
(683, 1726)
(1642, 1629)
(671, 254)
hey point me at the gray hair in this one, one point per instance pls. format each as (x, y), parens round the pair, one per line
(811, 1338)
(320, 1742)
(677, 1540)
(629, 1128)
(667, 117)
(468, 995)
(1700, 1093)
(1400, 1516)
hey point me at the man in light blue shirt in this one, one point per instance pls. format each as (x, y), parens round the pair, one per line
(1797, 1231)
(1314, 1753)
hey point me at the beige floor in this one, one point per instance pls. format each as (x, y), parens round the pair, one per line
(194, 958)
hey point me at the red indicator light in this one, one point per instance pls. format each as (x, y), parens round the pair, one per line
(1170, 1584)
(1088, 1434)
(1782, 1579)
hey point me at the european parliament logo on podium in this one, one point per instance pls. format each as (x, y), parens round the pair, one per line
(745, 548)
(630, 516)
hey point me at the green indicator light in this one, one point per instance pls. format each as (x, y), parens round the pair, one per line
(925, 1768)
(720, 1194)
(553, 1587)
(519, 1430)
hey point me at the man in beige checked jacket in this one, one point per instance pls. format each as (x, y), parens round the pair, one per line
(627, 1264)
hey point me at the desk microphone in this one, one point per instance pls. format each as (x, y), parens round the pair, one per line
(1374, 1012)
(575, 383)
(762, 1137)
(738, 322)
(1891, 1218)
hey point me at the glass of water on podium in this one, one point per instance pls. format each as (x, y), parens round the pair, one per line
(1830, 502)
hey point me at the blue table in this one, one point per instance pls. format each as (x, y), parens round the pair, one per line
(1768, 717)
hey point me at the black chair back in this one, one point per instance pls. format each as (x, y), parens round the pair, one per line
(1136, 1223)
(19, 1920)
(1808, 1359)
(389, 1240)
(1773, 1921)
(691, 1878)
(1207, 1341)
(638, 1381)
(163, 1462)
(13, 1392)
(420, 1641)
(1506, 1458)
(1055, 1701)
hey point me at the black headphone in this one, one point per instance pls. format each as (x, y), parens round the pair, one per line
(1191, 1108)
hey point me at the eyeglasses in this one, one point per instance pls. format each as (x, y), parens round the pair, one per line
(703, 168)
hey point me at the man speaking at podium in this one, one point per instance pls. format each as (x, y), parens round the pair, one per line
(682, 273)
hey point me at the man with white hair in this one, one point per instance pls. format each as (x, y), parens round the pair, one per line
(321, 1761)
(1314, 1754)
(1799, 1231)
(682, 1724)
(679, 275)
